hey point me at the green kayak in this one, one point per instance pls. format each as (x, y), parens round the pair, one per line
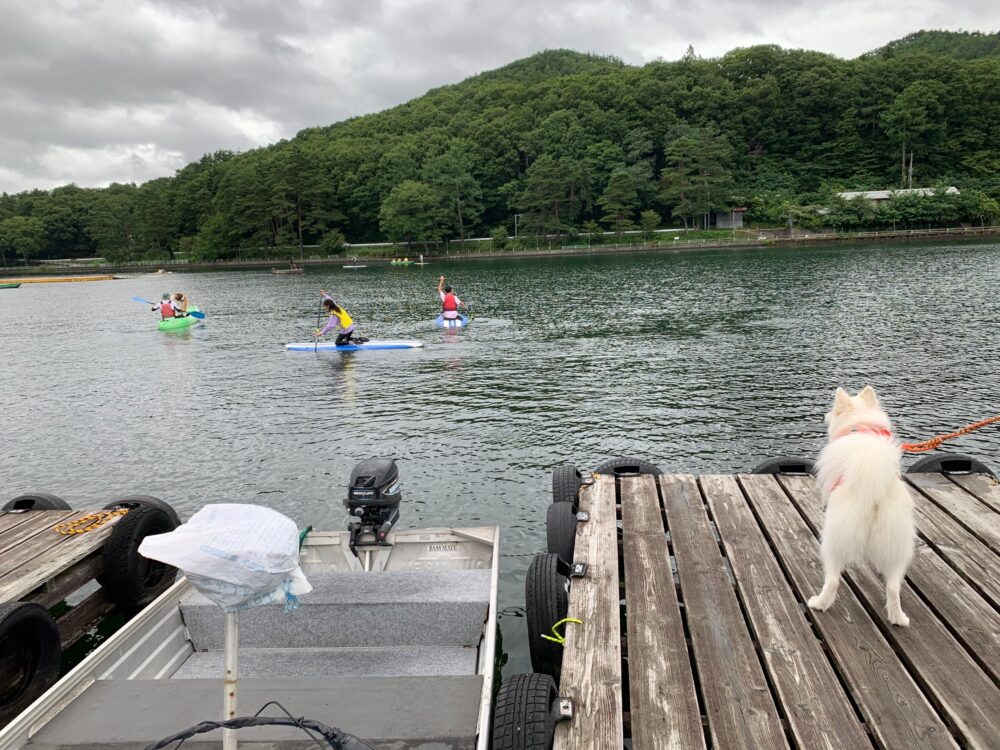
(10, 285)
(174, 324)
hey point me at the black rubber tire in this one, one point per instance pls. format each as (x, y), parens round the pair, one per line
(135, 501)
(565, 484)
(949, 463)
(560, 530)
(131, 580)
(30, 656)
(627, 466)
(546, 601)
(37, 501)
(785, 465)
(523, 718)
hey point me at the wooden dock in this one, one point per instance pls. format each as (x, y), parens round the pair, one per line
(696, 634)
(50, 561)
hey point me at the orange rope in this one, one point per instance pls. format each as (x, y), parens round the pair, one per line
(934, 442)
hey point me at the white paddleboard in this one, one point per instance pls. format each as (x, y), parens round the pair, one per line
(328, 346)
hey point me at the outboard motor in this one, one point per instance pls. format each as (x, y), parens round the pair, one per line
(373, 501)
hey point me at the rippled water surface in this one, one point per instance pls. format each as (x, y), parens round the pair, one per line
(701, 362)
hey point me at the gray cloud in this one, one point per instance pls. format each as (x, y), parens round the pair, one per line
(95, 91)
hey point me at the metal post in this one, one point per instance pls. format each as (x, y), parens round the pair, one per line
(231, 682)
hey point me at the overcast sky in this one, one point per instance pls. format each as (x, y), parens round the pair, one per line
(100, 91)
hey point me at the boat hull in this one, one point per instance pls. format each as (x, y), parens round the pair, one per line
(176, 324)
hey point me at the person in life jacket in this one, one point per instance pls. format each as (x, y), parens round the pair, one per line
(449, 301)
(339, 318)
(166, 307)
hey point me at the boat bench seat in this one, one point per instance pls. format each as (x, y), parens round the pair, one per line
(401, 713)
(335, 662)
(388, 609)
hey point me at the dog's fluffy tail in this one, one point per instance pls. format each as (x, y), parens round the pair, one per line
(866, 465)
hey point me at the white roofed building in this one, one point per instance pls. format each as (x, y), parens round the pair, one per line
(884, 195)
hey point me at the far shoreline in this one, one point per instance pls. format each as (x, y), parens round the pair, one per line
(971, 235)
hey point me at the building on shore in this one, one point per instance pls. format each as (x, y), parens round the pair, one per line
(730, 219)
(878, 196)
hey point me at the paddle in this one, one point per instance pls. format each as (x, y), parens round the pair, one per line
(196, 314)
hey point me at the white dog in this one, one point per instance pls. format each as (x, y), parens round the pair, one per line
(869, 513)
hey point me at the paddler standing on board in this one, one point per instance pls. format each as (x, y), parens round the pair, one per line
(339, 318)
(449, 301)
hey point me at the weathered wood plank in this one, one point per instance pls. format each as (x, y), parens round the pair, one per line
(45, 555)
(955, 683)
(65, 583)
(591, 667)
(9, 519)
(37, 522)
(983, 486)
(977, 563)
(819, 712)
(662, 694)
(979, 518)
(741, 711)
(895, 709)
(80, 619)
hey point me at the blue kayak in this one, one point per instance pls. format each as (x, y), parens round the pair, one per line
(327, 346)
(462, 321)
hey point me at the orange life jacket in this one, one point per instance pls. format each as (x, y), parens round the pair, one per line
(167, 310)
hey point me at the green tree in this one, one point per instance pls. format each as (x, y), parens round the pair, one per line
(21, 235)
(649, 220)
(619, 201)
(412, 212)
(451, 174)
(552, 195)
(111, 222)
(696, 176)
(333, 243)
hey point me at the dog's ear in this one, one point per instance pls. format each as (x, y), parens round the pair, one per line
(867, 395)
(841, 400)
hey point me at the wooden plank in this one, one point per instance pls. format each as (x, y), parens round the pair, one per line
(662, 694)
(65, 583)
(978, 518)
(37, 522)
(983, 486)
(976, 562)
(819, 712)
(955, 683)
(10, 519)
(47, 555)
(80, 619)
(741, 711)
(895, 709)
(591, 668)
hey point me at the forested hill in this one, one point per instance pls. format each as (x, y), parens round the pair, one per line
(964, 45)
(574, 142)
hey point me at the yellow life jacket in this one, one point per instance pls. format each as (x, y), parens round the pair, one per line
(345, 319)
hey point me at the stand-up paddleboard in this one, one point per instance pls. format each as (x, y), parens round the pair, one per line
(462, 321)
(354, 266)
(327, 346)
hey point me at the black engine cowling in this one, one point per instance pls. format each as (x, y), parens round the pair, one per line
(373, 497)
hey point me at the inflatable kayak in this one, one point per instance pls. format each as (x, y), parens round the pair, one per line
(174, 324)
(328, 346)
(462, 321)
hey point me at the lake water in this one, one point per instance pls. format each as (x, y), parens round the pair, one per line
(699, 361)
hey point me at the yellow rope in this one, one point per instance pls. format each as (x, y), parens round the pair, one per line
(558, 637)
(89, 522)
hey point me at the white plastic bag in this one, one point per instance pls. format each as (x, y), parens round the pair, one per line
(239, 556)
